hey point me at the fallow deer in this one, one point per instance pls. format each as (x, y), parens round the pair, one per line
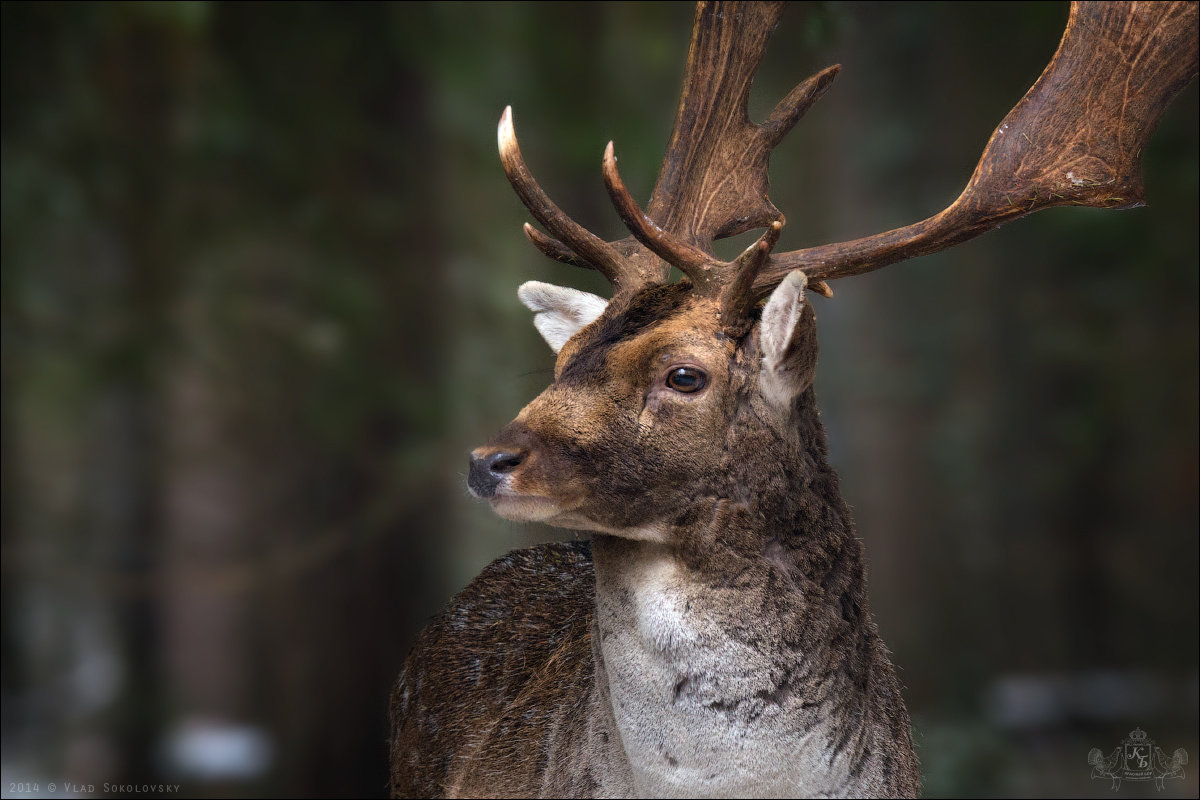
(713, 638)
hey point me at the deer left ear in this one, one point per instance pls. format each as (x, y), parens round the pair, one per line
(787, 336)
(559, 312)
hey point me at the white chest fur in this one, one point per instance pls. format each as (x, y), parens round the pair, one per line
(702, 712)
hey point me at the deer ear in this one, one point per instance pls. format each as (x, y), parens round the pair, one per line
(787, 337)
(559, 312)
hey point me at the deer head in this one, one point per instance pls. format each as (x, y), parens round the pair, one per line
(664, 391)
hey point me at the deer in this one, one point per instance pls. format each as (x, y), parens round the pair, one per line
(712, 635)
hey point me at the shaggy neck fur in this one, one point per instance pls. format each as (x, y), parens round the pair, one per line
(740, 657)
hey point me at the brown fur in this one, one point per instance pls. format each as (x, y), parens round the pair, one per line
(521, 632)
(507, 693)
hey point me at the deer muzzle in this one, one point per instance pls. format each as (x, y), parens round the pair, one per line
(489, 468)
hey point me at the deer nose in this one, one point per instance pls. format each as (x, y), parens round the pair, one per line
(488, 468)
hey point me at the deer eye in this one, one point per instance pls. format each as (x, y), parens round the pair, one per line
(686, 379)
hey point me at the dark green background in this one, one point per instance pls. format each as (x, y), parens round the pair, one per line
(259, 273)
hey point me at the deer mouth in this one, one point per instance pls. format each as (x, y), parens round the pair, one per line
(524, 507)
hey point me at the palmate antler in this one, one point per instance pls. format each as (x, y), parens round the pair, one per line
(1076, 138)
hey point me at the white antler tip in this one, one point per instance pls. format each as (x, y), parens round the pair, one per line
(505, 137)
(610, 157)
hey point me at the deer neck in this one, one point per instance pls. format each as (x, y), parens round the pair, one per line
(735, 651)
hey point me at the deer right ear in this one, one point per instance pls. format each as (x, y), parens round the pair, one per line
(787, 336)
(559, 312)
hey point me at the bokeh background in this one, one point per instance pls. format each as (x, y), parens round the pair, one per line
(259, 273)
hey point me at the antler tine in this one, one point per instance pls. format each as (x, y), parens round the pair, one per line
(822, 288)
(738, 298)
(1046, 152)
(796, 104)
(586, 246)
(553, 248)
(691, 260)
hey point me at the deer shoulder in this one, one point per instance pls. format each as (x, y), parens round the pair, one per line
(500, 685)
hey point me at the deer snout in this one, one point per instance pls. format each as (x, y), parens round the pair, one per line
(489, 466)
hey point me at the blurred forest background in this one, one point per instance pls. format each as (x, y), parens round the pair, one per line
(259, 275)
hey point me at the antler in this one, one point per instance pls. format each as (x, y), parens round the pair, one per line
(713, 181)
(1076, 138)
(582, 247)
